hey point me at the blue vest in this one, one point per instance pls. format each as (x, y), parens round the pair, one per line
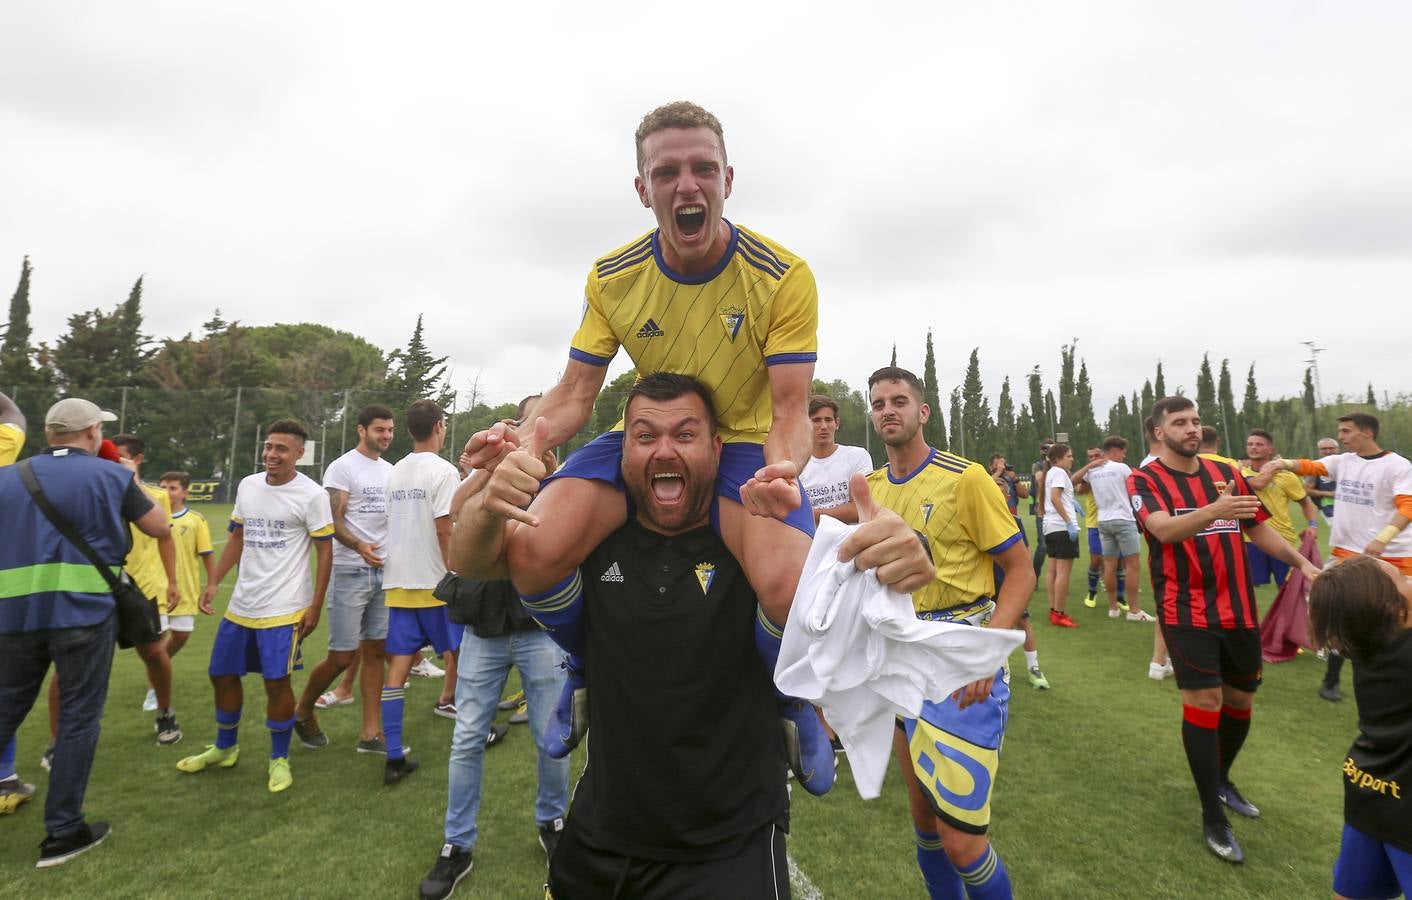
(45, 582)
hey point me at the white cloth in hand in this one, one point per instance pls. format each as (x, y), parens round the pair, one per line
(855, 648)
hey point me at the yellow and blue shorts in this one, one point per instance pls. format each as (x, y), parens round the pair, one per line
(955, 752)
(240, 649)
(601, 459)
(409, 629)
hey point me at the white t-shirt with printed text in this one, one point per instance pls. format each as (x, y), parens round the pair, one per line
(1057, 477)
(1109, 483)
(279, 525)
(825, 479)
(365, 481)
(418, 493)
(1365, 500)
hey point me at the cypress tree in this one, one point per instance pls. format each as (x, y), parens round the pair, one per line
(958, 438)
(931, 395)
(16, 363)
(1159, 385)
(976, 424)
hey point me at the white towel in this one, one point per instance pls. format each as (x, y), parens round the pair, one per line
(856, 649)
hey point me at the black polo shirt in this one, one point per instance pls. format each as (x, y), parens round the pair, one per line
(1377, 785)
(686, 755)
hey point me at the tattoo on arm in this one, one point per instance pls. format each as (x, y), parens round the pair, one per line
(338, 500)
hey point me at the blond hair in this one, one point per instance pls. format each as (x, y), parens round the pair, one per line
(678, 114)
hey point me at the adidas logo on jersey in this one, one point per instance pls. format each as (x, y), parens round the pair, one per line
(613, 574)
(650, 329)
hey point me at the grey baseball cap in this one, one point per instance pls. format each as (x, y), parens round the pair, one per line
(75, 414)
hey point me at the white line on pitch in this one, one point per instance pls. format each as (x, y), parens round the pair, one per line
(800, 884)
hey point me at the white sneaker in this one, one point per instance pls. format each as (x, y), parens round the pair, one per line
(1141, 615)
(427, 669)
(150, 704)
(1157, 671)
(1114, 613)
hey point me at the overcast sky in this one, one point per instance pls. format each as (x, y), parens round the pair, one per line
(1158, 179)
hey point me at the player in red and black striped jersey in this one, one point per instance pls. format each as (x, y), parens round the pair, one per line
(1194, 511)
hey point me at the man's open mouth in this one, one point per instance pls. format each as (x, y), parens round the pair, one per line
(691, 219)
(668, 487)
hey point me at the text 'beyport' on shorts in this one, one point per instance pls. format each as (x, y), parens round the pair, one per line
(1119, 537)
(601, 459)
(240, 649)
(1210, 657)
(411, 629)
(356, 609)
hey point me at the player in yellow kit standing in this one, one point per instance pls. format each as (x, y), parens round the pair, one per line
(193, 552)
(949, 754)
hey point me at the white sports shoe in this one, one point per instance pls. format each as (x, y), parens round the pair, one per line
(1141, 615)
(1157, 671)
(427, 669)
(150, 703)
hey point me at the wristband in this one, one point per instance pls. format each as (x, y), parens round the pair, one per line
(1387, 534)
(1313, 523)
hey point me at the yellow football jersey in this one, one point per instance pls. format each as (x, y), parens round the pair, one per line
(411, 598)
(12, 441)
(758, 307)
(1090, 507)
(962, 512)
(144, 563)
(193, 541)
(1284, 489)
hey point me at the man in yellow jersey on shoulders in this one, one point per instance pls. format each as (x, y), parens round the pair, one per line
(950, 754)
(152, 566)
(280, 515)
(697, 296)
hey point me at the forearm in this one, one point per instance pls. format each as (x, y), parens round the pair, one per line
(566, 406)
(1170, 529)
(323, 566)
(1019, 585)
(208, 560)
(1260, 480)
(1269, 540)
(1311, 512)
(443, 538)
(344, 536)
(478, 542)
(166, 549)
(229, 557)
(789, 440)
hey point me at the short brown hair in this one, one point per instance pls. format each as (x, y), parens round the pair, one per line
(1261, 433)
(1149, 428)
(1356, 609)
(184, 478)
(288, 426)
(1210, 437)
(1166, 405)
(1056, 452)
(1114, 442)
(820, 401)
(1362, 421)
(670, 386)
(678, 114)
(896, 373)
(421, 418)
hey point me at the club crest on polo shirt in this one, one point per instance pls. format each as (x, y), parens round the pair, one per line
(705, 574)
(927, 511)
(732, 317)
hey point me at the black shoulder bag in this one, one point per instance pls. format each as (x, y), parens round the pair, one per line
(139, 622)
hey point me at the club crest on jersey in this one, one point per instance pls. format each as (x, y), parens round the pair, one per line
(732, 317)
(649, 330)
(705, 574)
(927, 511)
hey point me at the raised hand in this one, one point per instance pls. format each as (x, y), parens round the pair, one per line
(487, 447)
(516, 480)
(883, 541)
(1230, 505)
(773, 492)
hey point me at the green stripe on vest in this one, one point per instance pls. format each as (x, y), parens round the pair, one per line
(77, 578)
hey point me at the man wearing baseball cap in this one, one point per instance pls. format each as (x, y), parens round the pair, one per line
(57, 609)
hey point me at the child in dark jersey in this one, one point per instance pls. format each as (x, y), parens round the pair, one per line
(1363, 609)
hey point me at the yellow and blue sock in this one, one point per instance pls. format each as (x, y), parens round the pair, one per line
(560, 611)
(280, 732)
(392, 703)
(7, 759)
(767, 642)
(227, 728)
(1122, 584)
(939, 875)
(986, 878)
(1093, 575)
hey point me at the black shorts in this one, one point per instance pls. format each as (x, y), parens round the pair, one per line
(1211, 657)
(579, 870)
(1058, 545)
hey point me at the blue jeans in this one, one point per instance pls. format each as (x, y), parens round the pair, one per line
(84, 659)
(481, 670)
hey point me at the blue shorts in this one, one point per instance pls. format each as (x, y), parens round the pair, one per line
(1264, 567)
(1369, 868)
(240, 649)
(1095, 543)
(601, 459)
(409, 630)
(956, 753)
